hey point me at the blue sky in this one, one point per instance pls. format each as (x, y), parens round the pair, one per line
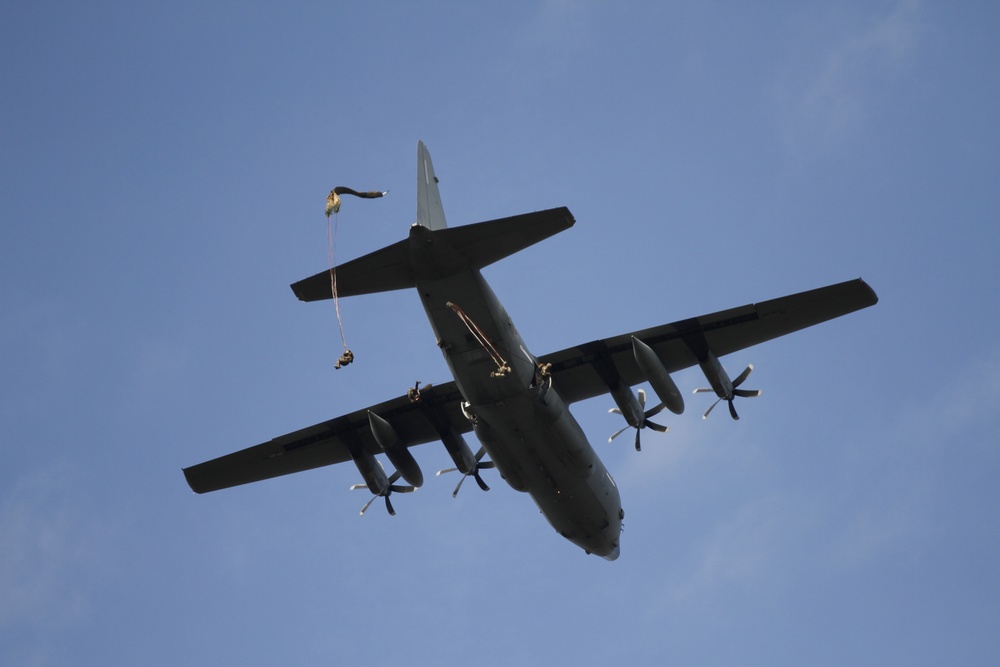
(164, 175)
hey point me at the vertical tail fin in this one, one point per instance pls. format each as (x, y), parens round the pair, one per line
(430, 212)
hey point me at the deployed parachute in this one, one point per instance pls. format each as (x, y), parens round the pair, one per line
(333, 199)
(333, 206)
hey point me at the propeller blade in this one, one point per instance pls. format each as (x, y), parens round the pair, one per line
(355, 487)
(703, 390)
(475, 472)
(441, 472)
(747, 393)
(388, 506)
(479, 479)
(657, 427)
(734, 392)
(367, 505)
(743, 376)
(640, 399)
(618, 432)
(482, 484)
(655, 411)
(402, 489)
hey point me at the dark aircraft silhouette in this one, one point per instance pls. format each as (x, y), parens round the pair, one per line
(515, 402)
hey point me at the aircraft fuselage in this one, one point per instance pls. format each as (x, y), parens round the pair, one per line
(517, 414)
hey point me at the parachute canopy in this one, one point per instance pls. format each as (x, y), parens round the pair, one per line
(333, 199)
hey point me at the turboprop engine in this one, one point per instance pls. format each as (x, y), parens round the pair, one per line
(372, 472)
(726, 389)
(633, 409)
(375, 480)
(635, 413)
(465, 462)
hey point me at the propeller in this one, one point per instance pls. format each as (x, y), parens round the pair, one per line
(743, 393)
(474, 472)
(645, 420)
(388, 492)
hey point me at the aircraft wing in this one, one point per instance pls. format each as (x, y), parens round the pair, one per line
(331, 441)
(578, 373)
(589, 370)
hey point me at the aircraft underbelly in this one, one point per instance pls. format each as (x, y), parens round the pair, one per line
(539, 448)
(529, 433)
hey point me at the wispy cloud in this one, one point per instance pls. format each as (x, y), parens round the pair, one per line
(47, 548)
(743, 548)
(831, 96)
(891, 495)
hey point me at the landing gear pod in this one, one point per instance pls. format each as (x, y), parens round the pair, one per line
(395, 450)
(657, 376)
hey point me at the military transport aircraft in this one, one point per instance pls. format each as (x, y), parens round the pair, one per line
(515, 402)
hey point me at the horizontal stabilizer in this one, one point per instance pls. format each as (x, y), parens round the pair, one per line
(472, 246)
(486, 242)
(380, 271)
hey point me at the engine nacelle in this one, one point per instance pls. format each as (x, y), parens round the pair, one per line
(717, 376)
(657, 376)
(395, 450)
(459, 451)
(628, 404)
(371, 472)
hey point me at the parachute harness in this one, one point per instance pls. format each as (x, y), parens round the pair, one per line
(333, 206)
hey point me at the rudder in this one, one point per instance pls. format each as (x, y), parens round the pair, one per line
(430, 212)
